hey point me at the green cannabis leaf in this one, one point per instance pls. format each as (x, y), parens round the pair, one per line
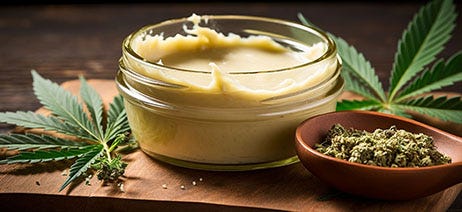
(92, 136)
(411, 79)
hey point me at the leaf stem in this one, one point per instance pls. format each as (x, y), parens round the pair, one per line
(108, 151)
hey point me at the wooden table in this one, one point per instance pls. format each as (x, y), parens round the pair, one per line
(63, 41)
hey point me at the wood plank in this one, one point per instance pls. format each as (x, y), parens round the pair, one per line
(289, 188)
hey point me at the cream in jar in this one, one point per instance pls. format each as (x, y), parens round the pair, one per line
(205, 99)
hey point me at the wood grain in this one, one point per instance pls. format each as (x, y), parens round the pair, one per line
(289, 188)
(62, 41)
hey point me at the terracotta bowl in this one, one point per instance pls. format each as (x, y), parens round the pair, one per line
(373, 181)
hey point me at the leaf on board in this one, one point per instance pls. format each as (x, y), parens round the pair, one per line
(49, 155)
(62, 103)
(34, 141)
(94, 105)
(117, 119)
(30, 119)
(82, 164)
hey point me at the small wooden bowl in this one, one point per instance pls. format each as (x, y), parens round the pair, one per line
(374, 181)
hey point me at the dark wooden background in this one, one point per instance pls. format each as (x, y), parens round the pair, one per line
(62, 41)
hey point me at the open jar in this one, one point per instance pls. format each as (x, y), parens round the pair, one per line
(234, 118)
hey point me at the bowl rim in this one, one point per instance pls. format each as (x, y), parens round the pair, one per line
(311, 150)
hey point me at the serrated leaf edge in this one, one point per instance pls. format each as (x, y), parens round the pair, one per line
(59, 101)
(94, 105)
(82, 164)
(444, 108)
(401, 75)
(33, 141)
(440, 75)
(52, 155)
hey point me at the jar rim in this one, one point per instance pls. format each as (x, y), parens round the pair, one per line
(330, 52)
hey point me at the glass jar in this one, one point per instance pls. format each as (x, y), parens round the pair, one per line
(237, 130)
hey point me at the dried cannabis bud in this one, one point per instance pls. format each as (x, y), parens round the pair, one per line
(383, 147)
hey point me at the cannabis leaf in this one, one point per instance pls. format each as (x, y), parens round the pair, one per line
(83, 163)
(91, 138)
(33, 141)
(424, 38)
(411, 79)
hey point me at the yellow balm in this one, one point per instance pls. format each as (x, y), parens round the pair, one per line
(226, 92)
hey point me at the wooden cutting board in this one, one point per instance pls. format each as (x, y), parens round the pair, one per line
(153, 185)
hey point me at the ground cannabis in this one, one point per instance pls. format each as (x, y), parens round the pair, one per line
(384, 147)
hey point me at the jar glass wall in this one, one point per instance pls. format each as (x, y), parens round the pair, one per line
(244, 127)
